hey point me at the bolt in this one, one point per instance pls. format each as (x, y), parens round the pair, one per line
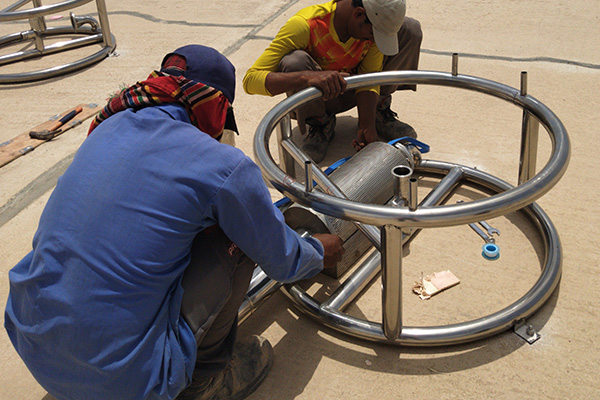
(530, 331)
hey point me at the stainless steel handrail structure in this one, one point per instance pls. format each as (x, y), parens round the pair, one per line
(88, 30)
(387, 226)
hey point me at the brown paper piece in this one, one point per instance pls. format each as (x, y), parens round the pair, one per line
(433, 284)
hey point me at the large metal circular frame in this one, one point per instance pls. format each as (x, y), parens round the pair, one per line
(425, 217)
(462, 332)
(507, 199)
(35, 15)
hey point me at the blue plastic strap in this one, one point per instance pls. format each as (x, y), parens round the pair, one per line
(423, 147)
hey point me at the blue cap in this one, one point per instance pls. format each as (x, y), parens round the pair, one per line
(206, 65)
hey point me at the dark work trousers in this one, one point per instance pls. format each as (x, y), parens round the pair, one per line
(215, 284)
(409, 45)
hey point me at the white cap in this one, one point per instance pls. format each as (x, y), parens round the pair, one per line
(387, 17)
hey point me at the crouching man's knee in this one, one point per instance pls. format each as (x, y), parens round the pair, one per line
(298, 60)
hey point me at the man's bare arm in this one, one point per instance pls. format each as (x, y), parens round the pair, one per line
(366, 103)
(331, 83)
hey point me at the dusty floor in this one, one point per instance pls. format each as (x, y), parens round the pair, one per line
(554, 41)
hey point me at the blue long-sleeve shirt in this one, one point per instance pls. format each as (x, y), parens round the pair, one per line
(94, 309)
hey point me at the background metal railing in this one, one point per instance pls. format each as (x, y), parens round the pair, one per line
(87, 29)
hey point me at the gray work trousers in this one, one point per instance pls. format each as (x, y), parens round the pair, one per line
(215, 284)
(409, 45)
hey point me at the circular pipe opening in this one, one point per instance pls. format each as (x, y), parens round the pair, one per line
(402, 171)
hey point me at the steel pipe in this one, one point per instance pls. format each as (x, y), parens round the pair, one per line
(424, 217)
(368, 270)
(308, 176)
(504, 199)
(454, 64)
(529, 147)
(464, 332)
(354, 284)
(261, 287)
(401, 179)
(51, 49)
(284, 132)
(328, 186)
(391, 279)
(413, 187)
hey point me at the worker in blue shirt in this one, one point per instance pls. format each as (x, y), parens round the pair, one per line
(145, 249)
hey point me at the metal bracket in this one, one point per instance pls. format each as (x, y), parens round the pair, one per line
(526, 332)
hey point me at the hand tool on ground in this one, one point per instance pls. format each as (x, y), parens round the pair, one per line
(490, 230)
(480, 232)
(23, 143)
(54, 129)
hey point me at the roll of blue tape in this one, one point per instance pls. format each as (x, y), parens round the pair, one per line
(491, 251)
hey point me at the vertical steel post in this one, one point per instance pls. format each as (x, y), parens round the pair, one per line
(454, 64)
(391, 277)
(38, 25)
(413, 189)
(391, 258)
(104, 25)
(308, 176)
(284, 132)
(401, 176)
(529, 140)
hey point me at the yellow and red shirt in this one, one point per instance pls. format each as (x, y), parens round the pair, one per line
(312, 30)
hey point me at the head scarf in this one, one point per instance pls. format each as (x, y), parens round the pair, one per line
(208, 107)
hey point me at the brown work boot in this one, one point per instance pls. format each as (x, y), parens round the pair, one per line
(387, 124)
(251, 362)
(320, 132)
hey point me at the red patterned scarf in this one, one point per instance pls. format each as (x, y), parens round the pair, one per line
(206, 106)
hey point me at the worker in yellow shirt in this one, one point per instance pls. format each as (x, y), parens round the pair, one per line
(324, 43)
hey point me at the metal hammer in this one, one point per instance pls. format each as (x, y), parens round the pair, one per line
(54, 129)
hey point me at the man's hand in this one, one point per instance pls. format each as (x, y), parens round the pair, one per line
(331, 83)
(365, 136)
(333, 246)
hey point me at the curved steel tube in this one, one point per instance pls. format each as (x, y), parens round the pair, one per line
(426, 217)
(466, 331)
(9, 15)
(505, 199)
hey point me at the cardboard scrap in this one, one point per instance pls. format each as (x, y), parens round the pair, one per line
(433, 284)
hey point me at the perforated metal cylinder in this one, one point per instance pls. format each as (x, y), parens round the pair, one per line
(365, 178)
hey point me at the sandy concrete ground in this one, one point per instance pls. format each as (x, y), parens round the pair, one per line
(554, 41)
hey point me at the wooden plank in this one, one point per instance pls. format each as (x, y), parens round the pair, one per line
(23, 144)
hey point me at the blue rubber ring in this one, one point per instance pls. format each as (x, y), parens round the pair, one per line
(491, 251)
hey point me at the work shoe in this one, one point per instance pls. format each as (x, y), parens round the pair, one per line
(320, 132)
(388, 126)
(250, 364)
